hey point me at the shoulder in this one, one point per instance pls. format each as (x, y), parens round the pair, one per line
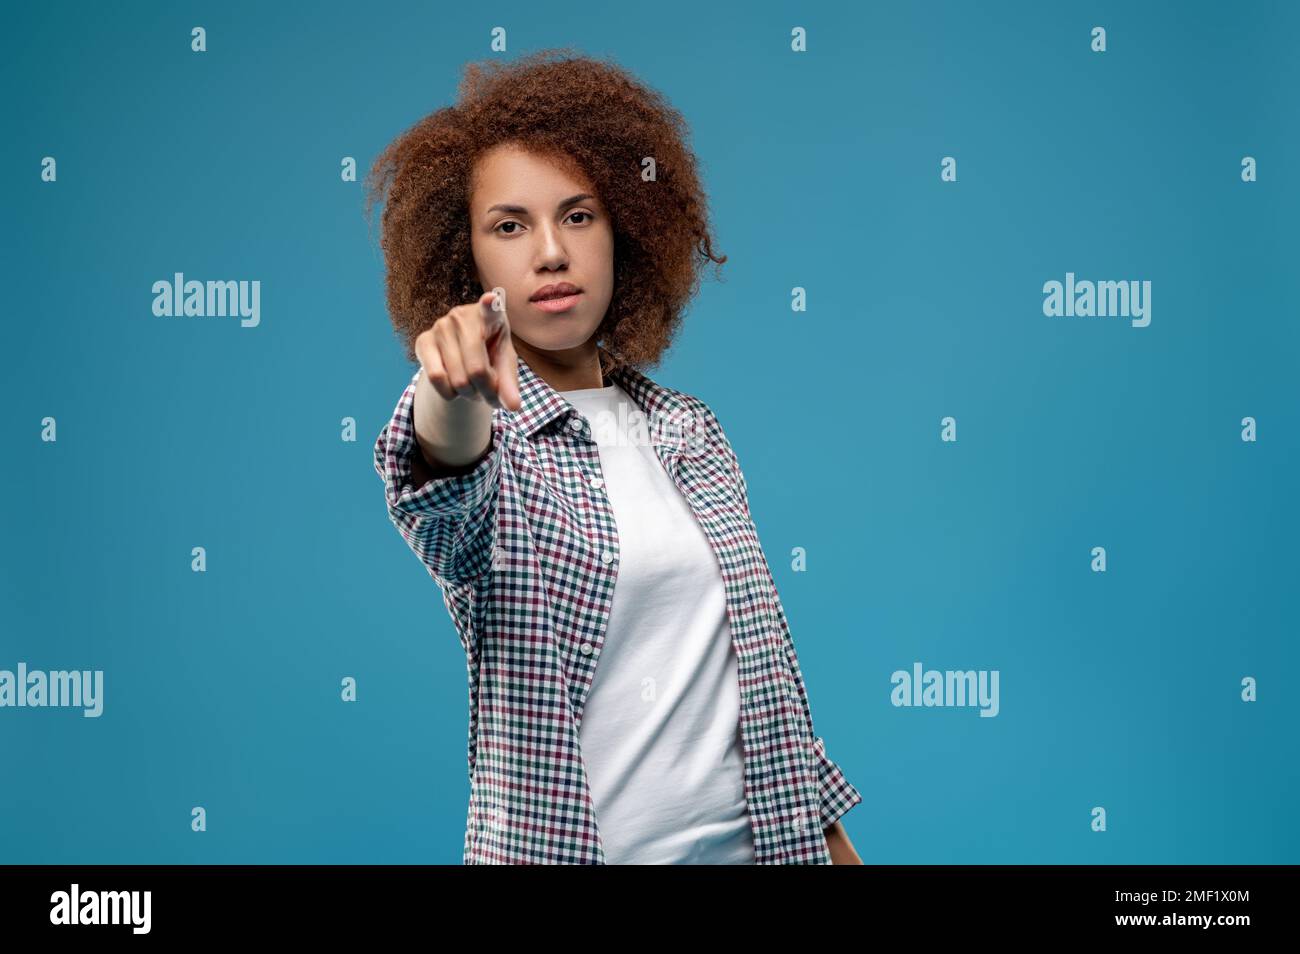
(701, 422)
(705, 413)
(705, 423)
(695, 406)
(680, 412)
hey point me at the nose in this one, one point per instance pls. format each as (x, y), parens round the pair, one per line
(551, 252)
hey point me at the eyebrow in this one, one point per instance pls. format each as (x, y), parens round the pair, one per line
(520, 210)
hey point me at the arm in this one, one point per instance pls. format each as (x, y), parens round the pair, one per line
(841, 849)
(446, 514)
(440, 455)
(837, 794)
(452, 435)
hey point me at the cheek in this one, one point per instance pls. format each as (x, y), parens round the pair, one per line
(492, 267)
(600, 255)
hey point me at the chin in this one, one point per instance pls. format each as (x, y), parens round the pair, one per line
(560, 335)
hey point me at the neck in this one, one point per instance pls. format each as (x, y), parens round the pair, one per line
(572, 369)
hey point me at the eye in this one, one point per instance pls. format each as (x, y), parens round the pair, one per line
(500, 226)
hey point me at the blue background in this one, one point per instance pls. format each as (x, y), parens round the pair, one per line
(1118, 689)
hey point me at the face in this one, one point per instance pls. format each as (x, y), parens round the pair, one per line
(532, 225)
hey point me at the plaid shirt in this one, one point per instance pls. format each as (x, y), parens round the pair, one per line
(525, 550)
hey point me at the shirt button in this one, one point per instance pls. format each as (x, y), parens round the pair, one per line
(607, 557)
(597, 482)
(585, 649)
(575, 424)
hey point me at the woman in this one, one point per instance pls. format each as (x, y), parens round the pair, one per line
(634, 692)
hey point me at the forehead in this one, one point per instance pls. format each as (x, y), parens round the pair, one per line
(510, 172)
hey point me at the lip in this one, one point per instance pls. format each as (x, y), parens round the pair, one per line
(554, 305)
(555, 290)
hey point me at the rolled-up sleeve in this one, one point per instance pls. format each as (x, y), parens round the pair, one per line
(836, 793)
(449, 522)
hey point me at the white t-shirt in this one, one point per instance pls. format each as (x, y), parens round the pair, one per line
(660, 733)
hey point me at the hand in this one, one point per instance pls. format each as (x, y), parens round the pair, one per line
(468, 353)
(841, 849)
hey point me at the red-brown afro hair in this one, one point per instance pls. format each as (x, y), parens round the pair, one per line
(591, 117)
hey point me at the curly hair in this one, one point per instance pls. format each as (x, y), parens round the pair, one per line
(589, 116)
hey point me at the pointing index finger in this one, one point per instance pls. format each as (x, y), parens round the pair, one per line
(504, 360)
(492, 306)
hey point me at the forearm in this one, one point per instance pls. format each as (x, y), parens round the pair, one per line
(452, 435)
(841, 849)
